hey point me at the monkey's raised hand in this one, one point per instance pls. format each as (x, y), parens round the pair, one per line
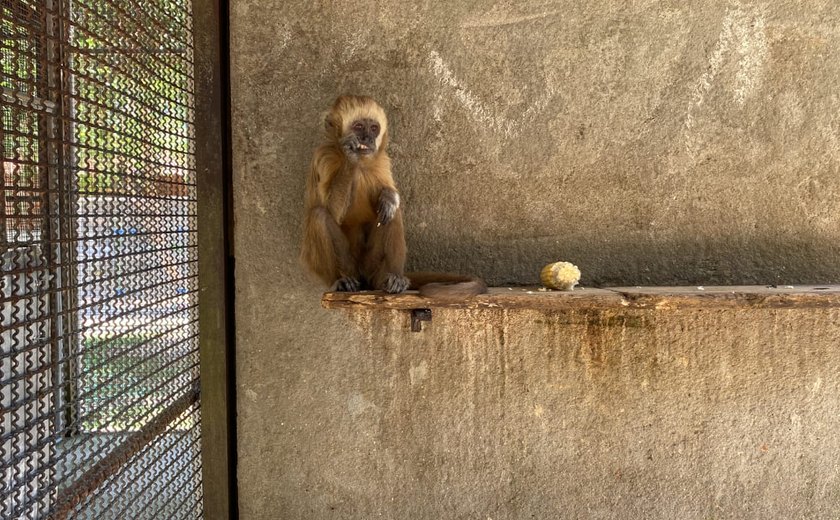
(350, 145)
(386, 208)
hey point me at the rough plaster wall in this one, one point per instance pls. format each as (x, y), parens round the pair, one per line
(515, 415)
(651, 142)
(648, 142)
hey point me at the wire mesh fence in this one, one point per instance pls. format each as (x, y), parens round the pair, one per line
(99, 343)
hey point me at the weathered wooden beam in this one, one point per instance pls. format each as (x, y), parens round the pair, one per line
(659, 298)
(497, 297)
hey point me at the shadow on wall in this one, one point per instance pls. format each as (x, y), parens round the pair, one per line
(758, 260)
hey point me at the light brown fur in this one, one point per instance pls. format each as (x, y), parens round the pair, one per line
(353, 230)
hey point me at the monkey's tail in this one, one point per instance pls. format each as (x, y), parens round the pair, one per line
(446, 284)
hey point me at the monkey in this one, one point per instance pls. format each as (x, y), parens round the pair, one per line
(353, 237)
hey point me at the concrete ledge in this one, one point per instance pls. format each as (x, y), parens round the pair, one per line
(659, 298)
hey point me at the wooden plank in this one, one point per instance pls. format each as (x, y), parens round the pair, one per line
(658, 298)
(748, 296)
(497, 297)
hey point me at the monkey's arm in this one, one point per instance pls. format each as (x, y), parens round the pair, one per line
(337, 193)
(387, 205)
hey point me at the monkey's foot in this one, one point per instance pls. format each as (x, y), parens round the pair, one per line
(395, 283)
(346, 284)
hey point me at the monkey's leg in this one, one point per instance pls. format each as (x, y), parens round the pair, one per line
(384, 262)
(328, 252)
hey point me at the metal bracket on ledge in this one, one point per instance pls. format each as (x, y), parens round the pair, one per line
(418, 316)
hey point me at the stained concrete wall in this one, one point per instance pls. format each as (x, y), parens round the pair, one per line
(648, 142)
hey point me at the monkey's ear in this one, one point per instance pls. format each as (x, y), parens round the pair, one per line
(329, 123)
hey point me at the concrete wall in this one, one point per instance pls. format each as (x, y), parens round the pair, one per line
(648, 142)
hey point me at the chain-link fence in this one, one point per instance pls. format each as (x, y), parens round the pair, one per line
(99, 343)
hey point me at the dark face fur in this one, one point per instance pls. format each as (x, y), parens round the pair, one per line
(361, 140)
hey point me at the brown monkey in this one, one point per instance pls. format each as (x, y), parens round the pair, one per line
(353, 232)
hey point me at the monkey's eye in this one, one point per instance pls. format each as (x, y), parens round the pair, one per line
(374, 129)
(358, 126)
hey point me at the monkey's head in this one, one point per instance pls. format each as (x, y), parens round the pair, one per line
(358, 125)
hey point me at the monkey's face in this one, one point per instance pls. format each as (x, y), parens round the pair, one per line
(362, 138)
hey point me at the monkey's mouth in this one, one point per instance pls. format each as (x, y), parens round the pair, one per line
(364, 149)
